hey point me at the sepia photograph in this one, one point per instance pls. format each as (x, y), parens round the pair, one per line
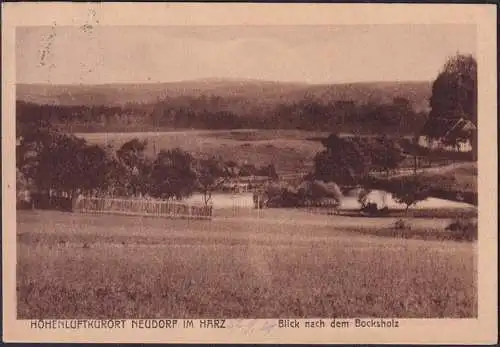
(250, 171)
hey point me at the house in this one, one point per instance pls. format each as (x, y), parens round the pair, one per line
(450, 134)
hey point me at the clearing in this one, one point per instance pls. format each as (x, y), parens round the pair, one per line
(289, 150)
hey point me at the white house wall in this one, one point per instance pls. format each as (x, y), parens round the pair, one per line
(430, 143)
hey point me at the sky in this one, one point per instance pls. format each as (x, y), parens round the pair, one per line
(311, 54)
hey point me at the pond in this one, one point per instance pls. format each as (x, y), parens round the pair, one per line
(349, 201)
(222, 200)
(383, 198)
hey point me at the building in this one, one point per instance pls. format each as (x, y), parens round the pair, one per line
(450, 134)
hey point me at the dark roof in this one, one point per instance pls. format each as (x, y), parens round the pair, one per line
(463, 126)
(443, 127)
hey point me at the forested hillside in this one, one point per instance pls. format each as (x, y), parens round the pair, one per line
(220, 104)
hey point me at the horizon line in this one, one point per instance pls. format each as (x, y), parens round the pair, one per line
(223, 79)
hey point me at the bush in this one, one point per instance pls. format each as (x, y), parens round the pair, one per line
(463, 229)
(46, 202)
(370, 208)
(410, 191)
(23, 205)
(363, 197)
(384, 211)
(400, 224)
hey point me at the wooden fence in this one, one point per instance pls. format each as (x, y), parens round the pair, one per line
(141, 207)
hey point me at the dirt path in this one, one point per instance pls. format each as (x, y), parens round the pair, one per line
(435, 169)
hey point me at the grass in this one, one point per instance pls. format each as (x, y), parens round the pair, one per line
(80, 266)
(419, 233)
(464, 177)
(289, 151)
(456, 181)
(455, 177)
(458, 177)
(441, 213)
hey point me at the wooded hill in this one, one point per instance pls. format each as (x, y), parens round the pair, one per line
(222, 104)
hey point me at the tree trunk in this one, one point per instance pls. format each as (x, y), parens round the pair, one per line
(207, 196)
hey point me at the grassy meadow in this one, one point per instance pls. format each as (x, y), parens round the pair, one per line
(459, 177)
(247, 263)
(289, 150)
(83, 266)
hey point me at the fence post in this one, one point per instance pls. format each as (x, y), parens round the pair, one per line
(103, 205)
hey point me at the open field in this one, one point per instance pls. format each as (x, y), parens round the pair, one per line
(289, 151)
(82, 266)
(460, 177)
(457, 176)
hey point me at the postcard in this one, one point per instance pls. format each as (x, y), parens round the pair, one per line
(249, 173)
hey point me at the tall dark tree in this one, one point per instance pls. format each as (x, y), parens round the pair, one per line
(132, 157)
(385, 154)
(132, 152)
(97, 169)
(410, 191)
(211, 174)
(173, 174)
(69, 166)
(59, 166)
(454, 92)
(343, 161)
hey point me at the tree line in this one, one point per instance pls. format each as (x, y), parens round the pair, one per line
(454, 95)
(352, 161)
(53, 163)
(201, 112)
